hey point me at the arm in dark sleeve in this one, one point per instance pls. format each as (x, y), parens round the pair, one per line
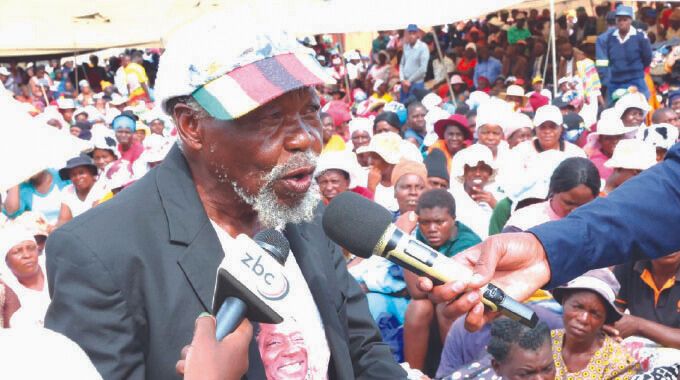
(371, 357)
(88, 307)
(636, 221)
(645, 50)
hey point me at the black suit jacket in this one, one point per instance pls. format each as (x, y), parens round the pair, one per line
(129, 277)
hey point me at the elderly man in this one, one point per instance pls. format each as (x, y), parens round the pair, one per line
(129, 278)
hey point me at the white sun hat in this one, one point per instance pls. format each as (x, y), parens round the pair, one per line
(340, 160)
(611, 126)
(632, 154)
(659, 135)
(632, 100)
(387, 145)
(472, 156)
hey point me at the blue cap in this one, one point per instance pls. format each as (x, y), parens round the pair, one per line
(124, 121)
(624, 10)
(672, 95)
(412, 28)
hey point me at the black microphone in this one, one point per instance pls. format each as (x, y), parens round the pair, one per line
(365, 228)
(244, 292)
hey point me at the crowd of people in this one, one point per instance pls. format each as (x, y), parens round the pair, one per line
(461, 132)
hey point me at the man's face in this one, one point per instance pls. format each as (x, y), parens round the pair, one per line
(416, 119)
(22, 259)
(268, 156)
(520, 23)
(411, 37)
(483, 53)
(437, 225)
(623, 23)
(124, 136)
(332, 182)
(283, 351)
(407, 190)
(566, 51)
(328, 128)
(521, 364)
(671, 118)
(437, 183)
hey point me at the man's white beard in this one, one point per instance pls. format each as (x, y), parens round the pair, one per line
(270, 211)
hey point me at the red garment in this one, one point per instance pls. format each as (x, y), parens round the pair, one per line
(465, 65)
(363, 191)
(132, 154)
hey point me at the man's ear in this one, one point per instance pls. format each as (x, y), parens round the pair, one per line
(495, 365)
(187, 125)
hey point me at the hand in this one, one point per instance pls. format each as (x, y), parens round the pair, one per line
(484, 196)
(207, 359)
(374, 178)
(405, 85)
(612, 332)
(515, 262)
(627, 326)
(407, 222)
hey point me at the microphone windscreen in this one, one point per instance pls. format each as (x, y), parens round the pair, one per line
(355, 223)
(275, 243)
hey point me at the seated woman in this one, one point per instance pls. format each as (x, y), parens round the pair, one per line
(78, 197)
(384, 152)
(548, 122)
(474, 189)
(452, 133)
(582, 350)
(104, 151)
(608, 134)
(632, 108)
(381, 280)
(438, 228)
(22, 271)
(574, 183)
(336, 173)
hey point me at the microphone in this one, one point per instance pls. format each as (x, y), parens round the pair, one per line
(365, 228)
(255, 280)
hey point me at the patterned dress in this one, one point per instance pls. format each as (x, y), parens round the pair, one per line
(611, 361)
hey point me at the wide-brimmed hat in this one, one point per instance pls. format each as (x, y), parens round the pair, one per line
(495, 21)
(611, 126)
(66, 104)
(387, 145)
(472, 156)
(339, 160)
(82, 160)
(455, 119)
(230, 77)
(632, 154)
(632, 100)
(600, 281)
(659, 135)
(4, 71)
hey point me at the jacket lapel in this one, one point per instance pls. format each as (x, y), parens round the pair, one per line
(308, 256)
(188, 225)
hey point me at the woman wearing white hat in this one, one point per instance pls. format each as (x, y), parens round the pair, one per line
(336, 172)
(632, 109)
(21, 269)
(609, 132)
(474, 169)
(661, 136)
(630, 158)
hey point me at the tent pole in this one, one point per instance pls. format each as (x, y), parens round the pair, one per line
(446, 72)
(554, 52)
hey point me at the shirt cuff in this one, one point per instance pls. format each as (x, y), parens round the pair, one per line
(561, 252)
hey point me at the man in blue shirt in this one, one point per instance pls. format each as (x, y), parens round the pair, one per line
(627, 52)
(636, 221)
(413, 65)
(487, 66)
